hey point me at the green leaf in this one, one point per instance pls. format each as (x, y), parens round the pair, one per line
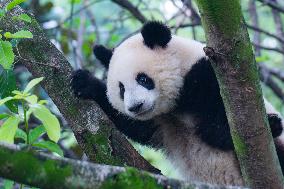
(75, 1)
(7, 85)
(31, 99)
(6, 54)
(21, 134)
(14, 3)
(8, 129)
(3, 116)
(51, 146)
(23, 17)
(261, 59)
(4, 100)
(36, 133)
(23, 34)
(32, 83)
(2, 13)
(16, 92)
(49, 121)
(8, 184)
(43, 102)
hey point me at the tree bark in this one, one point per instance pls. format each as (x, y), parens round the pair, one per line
(94, 132)
(230, 52)
(46, 171)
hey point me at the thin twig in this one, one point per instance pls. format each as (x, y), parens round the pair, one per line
(132, 9)
(265, 32)
(278, 24)
(268, 48)
(272, 5)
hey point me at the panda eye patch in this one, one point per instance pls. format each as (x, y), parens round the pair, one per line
(145, 81)
(121, 90)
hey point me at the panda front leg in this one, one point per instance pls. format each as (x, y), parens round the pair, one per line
(86, 86)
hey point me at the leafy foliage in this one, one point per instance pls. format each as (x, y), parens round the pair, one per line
(32, 83)
(51, 146)
(13, 4)
(35, 133)
(7, 56)
(9, 128)
(30, 105)
(19, 35)
(23, 17)
(49, 121)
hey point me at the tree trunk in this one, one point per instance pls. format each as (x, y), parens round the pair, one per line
(231, 54)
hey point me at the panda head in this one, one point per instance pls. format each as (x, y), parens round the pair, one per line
(145, 72)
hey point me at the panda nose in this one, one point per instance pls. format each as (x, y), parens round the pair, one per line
(136, 108)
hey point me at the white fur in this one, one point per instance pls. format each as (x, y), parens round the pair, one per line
(166, 67)
(194, 159)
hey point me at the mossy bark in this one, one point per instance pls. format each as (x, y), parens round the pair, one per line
(94, 132)
(230, 51)
(45, 171)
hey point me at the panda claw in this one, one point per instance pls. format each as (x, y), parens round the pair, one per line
(80, 83)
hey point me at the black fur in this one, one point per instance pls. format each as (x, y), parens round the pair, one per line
(156, 34)
(280, 153)
(103, 54)
(86, 86)
(275, 125)
(121, 90)
(145, 81)
(201, 96)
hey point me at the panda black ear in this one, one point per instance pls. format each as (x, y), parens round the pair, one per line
(156, 33)
(103, 54)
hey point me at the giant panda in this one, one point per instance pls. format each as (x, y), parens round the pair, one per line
(161, 91)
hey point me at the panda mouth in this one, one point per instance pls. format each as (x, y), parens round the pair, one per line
(145, 111)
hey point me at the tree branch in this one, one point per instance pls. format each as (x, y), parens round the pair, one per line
(252, 27)
(255, 28)
(94, 132)
(267, 79)
(132, 9)
(46, 171)
(268, 48)
(255, 23)
(278, 23)
(272, 5)
(276, 72)
(265, 75)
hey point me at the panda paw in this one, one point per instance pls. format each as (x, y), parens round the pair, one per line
(81, 83)
(275, 123)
